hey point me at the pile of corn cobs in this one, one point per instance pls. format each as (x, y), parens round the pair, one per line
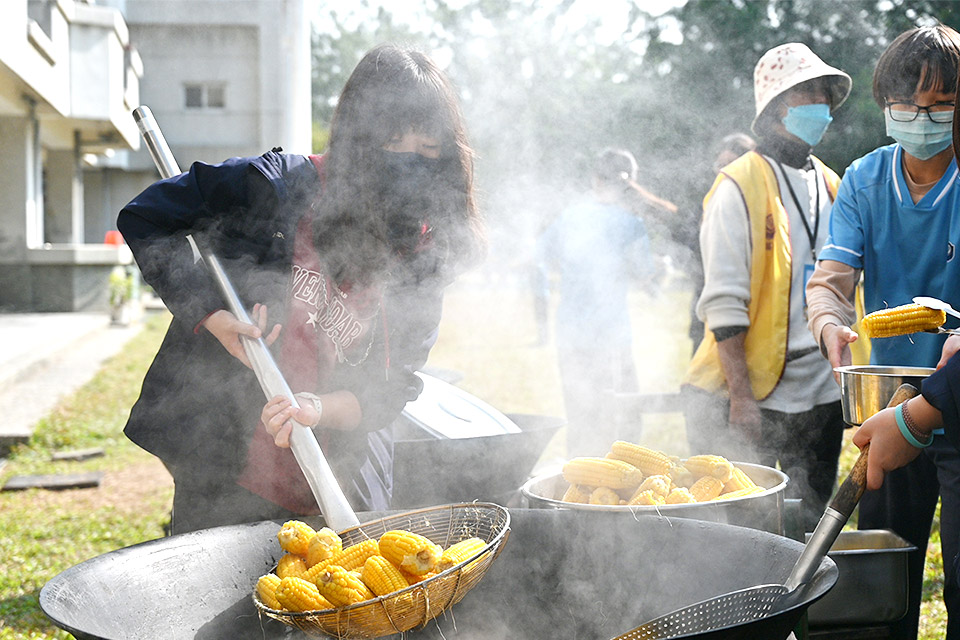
(317, 573)
(635, 475)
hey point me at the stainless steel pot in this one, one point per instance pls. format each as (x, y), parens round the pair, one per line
(866, 389)
(762, 511)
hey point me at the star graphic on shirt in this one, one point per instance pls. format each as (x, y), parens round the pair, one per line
(312, 319)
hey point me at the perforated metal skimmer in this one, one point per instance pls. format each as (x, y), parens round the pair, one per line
(753, 603)
(734, 608)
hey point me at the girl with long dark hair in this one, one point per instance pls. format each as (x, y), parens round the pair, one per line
(347, 254)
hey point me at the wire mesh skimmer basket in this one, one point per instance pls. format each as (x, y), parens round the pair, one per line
(418, 604)
(731, 609)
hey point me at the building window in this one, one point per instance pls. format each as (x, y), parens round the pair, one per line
(216, 97)
(194, 96)
(204, 96)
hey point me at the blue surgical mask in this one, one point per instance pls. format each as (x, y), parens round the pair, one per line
(808, 122)
(922, 138)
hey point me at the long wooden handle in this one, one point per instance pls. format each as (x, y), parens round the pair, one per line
(837, 514)
(850, 492)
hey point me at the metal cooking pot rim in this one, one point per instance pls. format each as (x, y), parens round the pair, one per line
(885, 370)
(527, 490)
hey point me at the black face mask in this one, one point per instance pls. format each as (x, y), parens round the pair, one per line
(408, 192)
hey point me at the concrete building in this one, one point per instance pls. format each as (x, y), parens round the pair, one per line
(222, 77)
(68, 77)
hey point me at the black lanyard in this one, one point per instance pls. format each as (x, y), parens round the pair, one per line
(811, 234)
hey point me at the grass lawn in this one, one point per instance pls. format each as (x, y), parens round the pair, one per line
(488, 335)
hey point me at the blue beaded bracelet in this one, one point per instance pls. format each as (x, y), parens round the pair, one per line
(905, 432)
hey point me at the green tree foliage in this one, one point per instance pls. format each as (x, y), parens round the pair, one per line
(337, 48)
(722, 40)
(548, 83)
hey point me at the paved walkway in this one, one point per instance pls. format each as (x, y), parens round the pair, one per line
(46, 356)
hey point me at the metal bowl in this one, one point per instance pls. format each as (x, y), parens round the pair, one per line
(866, 389)
(762, 510)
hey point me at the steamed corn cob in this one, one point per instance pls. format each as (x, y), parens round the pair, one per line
(709, 465)
(660, 485)
(898, 321)
(291, 566)
(577, 493)
(354, 556)
(681, 476)
(323, 546)
(602, 472)
(604, 496)
(381, 576)
(410, 551)
(650, 461)
(350, 558)
(739, 493)
(341, 587)
(297, 594)
(706, 488)
(457, 553)
(680, 495)
(267, 590)
(295, 536)
(645, 498)
(412, 579)
(738, 480)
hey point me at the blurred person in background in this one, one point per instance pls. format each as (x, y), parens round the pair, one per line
(350, 252)
(729, 149)
(599, 246)
(732, 147)
(756, 389)
(897, 221)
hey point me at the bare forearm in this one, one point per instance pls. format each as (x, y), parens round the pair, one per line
(733, 362)
(341, 410)
(925, 416)
(830, 296)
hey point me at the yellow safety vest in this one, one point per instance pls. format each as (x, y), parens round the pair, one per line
(769, 308)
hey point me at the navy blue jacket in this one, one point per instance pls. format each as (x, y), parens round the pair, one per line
(942, 390)
(199, 405)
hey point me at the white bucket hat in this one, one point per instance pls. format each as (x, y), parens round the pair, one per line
(791, 64)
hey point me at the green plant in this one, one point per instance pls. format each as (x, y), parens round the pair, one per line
(121, 284)
(45, 532)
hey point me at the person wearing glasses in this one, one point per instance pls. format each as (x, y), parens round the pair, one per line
(896, 221)
(756, 390)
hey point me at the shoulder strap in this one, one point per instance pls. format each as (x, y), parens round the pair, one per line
(319, 162)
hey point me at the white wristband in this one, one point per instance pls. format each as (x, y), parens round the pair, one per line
(317, 404)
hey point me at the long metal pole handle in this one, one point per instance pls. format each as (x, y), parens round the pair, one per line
(156, 144)
(303, 442)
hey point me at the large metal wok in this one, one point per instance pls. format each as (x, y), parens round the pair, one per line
(565, 573)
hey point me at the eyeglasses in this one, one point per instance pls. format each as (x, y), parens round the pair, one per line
(908, 111)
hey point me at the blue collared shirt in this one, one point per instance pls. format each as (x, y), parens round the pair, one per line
(904, 249)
